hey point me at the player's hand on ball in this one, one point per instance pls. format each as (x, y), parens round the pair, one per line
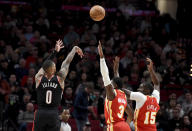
(150, 65)
(79, 51)
(100, 50)
(59, 45)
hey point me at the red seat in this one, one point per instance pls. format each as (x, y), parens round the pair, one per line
(73, 125)
(172, 86)
(95, 125)
(188, 87)
(29, 126)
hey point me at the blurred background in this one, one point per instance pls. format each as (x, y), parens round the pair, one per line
(132, 29)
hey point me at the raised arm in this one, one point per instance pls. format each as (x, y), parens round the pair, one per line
(58, 47)
(105, 74)
(116, 66)
(153, 75)
(65, 65)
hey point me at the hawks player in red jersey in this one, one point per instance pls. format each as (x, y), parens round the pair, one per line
(147, 102)
(115, 101)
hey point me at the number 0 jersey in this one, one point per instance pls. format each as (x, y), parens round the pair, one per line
(49, 93)
(145, 117)
(114, 110)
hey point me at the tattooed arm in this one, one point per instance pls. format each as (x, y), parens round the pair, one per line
(66, 63)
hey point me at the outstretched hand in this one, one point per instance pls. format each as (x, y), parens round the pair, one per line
(116, 64)
(59, 45)
(100, 50)
(79, 51)
(150, 65)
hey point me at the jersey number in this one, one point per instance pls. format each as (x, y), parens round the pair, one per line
(121, 108)
(150, 120)
(49, 97)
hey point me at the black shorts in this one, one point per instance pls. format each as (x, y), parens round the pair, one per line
(46, 120)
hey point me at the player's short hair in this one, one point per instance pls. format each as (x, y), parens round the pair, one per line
(47, 64)
(118, 81)
(148, 85)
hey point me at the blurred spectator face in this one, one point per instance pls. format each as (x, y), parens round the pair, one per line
(172, 103)
(129, 54)
(175, 113)
(69, 91)
(29, 29)
(15, 57)
(96, 94)
(72, 75)
(65, 115)
(134, 76)
(178, 106)
(12, 78)
(177, 129)
(172, 96)
(2, 57)
(135, 60)
(87, 127)
(26, 98)
(186, 120)
(171, 69)
(88, 88)
(4, 64)
(84, 76)
(125, 79)
(92, 43)
(30, 107)
(22, 63)
(169, 62)
(9, 49)
(13, 88)
(34, 52)
(37, 34)
(31, 72)
(188, 96)
(30, 81)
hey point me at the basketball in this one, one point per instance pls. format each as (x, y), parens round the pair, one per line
(97, 13)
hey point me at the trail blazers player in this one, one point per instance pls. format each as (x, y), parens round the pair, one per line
(49, 86)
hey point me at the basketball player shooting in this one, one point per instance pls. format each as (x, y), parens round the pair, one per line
(49, 86)
(115, 101)
(147, 102)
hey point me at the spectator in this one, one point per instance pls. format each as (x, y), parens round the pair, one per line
(186, 124)
(30, 74)
(13, 80)
(26, 117)
(21, 71)
(67, 99)
(176, 120)
(4, 90)
(187, 104)
(81, 106)
(71, 36)
(26, 100)
(64, 120)
(87, 126)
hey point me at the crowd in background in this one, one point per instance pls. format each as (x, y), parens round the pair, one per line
(28, 35)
